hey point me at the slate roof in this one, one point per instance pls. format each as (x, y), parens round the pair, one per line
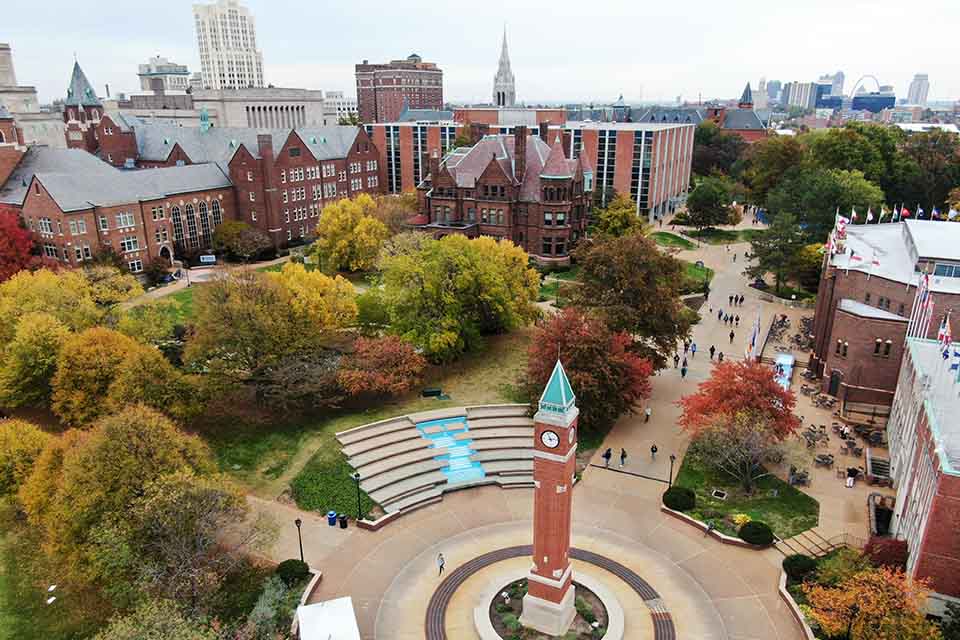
(40, 159)
(747, 97)
(667, 114)
(77, 191)
(414, 115)
(742, 119)
(80, 93)
(557, 165)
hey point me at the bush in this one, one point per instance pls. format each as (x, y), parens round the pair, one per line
(887, 552)
(584, 609)
(840, 565)
(292, 571)
(679, 498)
(799, 566)
(511, 622)
(757, 533)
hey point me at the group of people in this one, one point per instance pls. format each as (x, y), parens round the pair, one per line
(608, 454)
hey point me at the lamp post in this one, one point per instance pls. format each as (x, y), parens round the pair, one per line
(299, 523)
(673, 459)
(356, 476)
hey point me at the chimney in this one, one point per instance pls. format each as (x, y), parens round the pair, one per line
(477, 131)
(545, 131)
(107, 86)
(519, 152)
(434, 166)
(265, 146)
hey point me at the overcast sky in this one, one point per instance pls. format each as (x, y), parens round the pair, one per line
(560, 51)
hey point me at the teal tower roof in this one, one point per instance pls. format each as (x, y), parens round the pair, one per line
(80, 93)
(558, 396)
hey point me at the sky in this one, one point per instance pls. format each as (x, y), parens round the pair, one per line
(560, 51)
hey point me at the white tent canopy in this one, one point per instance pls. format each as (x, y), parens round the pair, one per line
(330, 620)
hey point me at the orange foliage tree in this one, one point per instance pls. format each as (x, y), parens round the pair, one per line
(875, 604)
(736, 388)
(388, 366)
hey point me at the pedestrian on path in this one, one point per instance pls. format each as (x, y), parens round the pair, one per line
(720, 357)
(713, 350)
(676, 360)
(684, 363)
(737, 318)
(741, 300)
(693, 350)
(734, 257)
(683, 372)
(606, 457)
(441, 561)
(647, 413)
(719, 314)
(623, 457)
(731, 336)
(653, 451)
(686, 347)
(730, 300)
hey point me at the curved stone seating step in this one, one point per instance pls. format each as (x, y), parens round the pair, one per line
(358, 460)
(387, 478)
(500, 443)
(373, 442)
(416, 500)
(480, 424)
(363, 432)
(503, 432)
(405, 488)
(498, 410)
(509, 467)
(516, 481)
(393, 463)
(503, 454)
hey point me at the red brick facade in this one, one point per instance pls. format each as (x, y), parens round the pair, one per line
(384, 89)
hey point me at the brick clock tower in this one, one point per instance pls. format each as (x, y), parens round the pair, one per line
(548, 606)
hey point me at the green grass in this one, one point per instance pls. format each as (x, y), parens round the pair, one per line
(788, 513)
(665, 239)
(694, 277)
(713, 235)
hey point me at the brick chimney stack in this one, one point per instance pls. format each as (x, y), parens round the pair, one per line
(519, 152)
(434, 166)
(545, 131)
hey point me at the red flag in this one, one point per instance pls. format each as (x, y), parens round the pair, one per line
(904, 212)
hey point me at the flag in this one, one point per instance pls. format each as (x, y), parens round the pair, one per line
(875, 261)
(944, 335)
(953, 213)
(935, 214)
(842, 222)
(853, 213)
(904, 212)
(883, 212)
(919, 212)
(869, 215)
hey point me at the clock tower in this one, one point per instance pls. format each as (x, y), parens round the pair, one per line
(548, 606)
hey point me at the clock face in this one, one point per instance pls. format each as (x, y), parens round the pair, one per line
(550, 439)
(573, 434)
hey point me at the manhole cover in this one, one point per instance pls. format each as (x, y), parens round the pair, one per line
(719, 495)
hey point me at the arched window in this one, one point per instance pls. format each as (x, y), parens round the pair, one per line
(204, 223)
(845, 346)
(191, 226)
(886, 347)
(217, 214)
(876, 346)
(839, 347)
(177, 225)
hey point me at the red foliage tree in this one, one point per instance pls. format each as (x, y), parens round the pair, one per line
(607, 379)
(15, 246)
(887, 552)
(740, 387)
(381, 366)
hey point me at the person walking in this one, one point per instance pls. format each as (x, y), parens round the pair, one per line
(647, 413)
(693, 350)
(720, 357)
(713, 351)
(730, 300)
(676, 360)
(737, 319)
(683, 372)
(719, 314)
(653, 451)
(686, 347)
(441, 562)
(731, 336)
(684, 363)
(606, 457)
(623, 457)
(741, 299)
(734, 256)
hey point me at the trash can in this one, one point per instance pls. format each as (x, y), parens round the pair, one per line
(343, 521)
(332, 518)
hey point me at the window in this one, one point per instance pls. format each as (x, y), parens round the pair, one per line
(839, 347)
(289, 234)
(73, 227)
(283, 177)
(87, 254)
(136, 266)
(900, 309)
(356, 184)
(249, 176)
(160, 235)
(286, 215)
(844, 350)
(330, 190)
(371, 182)
(547, 246)
(124, 220)
(157, 213)
(561, 218)
(50, 250)
(484, 218)
(217, 213)
(129, 243)
(284, 197)
(253, 215)
(342, 176)
(876, 346)
(371, 165)
(329, 171)
(204, 222)
(560, 248)
(472, 214)
(866, 298)
(253, 197)
(886, 348)
(177, 225)
(79, 253)
(547, 218)
(499, 216)
(294, 152)
(46, 226)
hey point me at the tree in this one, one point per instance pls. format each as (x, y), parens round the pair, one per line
(406, 243)
(239, 240)
(619, 218)
(156, 620)
(395, 211)
(110, 286)
(715, 150)
(709, 203)
(21, 443)
(876, 604)
(635, 288)
(153, 323)
(66, 295)
(146, 377)
(327, 303)
(179, 540)
(88, 364)
(381, 366)
(950, 626)
(30, 361)
(937, 155)
(304, 380)
(349, 237)
(807, 266)
(738, 446)
(444, 297)
(766, 162)
(776, 251)
(740, 387)
(88, 480)
(607, 378)
(349, 120)
(16, 245)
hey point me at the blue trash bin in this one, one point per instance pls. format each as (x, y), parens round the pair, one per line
(332, 518)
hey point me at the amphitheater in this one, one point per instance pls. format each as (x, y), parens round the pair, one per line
(410, 461)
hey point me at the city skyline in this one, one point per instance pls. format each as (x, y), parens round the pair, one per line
(677, 57)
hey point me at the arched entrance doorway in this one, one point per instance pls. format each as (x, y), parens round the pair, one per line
(165, 254)
(835, 379)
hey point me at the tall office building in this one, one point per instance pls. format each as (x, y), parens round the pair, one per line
(227, 39)
(773, 90)
(837, 87)
(383, 90)
(917, 93)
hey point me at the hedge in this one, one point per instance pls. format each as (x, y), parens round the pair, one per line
(799, 566)
(679, 498)
(757, 533)
(292, 571)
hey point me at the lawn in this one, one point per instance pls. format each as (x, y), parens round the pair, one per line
(713, 235)
(694, 277)
(786, 509)
(671, 240)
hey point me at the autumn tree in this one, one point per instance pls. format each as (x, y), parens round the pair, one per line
(30, 360)
(607, 377)
(153, 323)
(875, 604)
(239, 240)
(16, 245)
(349, 237)
(395, 210)
(67, 296)
(766, 161)
(445, 297)
(327, 303)
(21, 443)
(110, 286)
(736, 387)
(708, 205)
(156, 620)
(302, 380)
(381, 366)
(777, 250)
(635, 288)
(937, 156)
(715, 150)
(619, 218)
(82, 482)
(808, 264)
(146, 377)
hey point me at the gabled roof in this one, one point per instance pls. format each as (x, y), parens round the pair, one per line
(80, 93)
(671, 115)
(742, 120)
(557, 165)
(40, 159)
(747, 97)
(558, 395)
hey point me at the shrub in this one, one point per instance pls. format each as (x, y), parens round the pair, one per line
(887, 552)
(292, 571)
(741, 519)
(584, 609)
(511, 622)
(844, 563)
(799, 566)
(679, 498)
(757, 533)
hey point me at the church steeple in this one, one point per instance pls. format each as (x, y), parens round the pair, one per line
(746, 100)
(504, 94)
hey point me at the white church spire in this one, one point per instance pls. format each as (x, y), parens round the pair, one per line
(504, 93)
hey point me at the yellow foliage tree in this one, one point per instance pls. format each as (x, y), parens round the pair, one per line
(67, 296)
(146, 377)
(329, 303)
(31, 359)
(349, 236)
(110, 286)
(21, 443)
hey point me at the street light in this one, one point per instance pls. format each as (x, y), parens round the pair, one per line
(299, 523)
(673, 459)
(356, 476)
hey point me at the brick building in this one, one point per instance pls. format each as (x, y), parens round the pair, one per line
(384, 89)
(650, 162)
(509, 186)
(865, 299)
(924, 439)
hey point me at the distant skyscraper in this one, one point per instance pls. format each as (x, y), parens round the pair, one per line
(383, 90)
(227, 39)
(760, 97)
(504, 92)
(161, 74)
(773, 90)
(917, 94)
(838, 80)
